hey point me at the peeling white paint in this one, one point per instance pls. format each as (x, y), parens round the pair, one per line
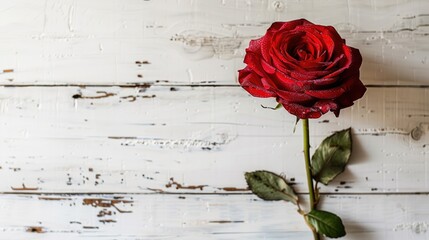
(70, 20)
(203, 137)
(415, 227)
(202, 36)
(185, 144)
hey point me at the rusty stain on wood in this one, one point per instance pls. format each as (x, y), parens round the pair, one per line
(234, 189)
(89, 227)
(132, 98)
(34, 229)
(104, 94)
(107, 221)
(180, 186)
(225, 221)
(156, 190)
(324, 121)
(114, 137)
(142, 62)
(100, 202)
(104, 212)
(418, 115)
(106, 203)
(24, 188)
(8, 70)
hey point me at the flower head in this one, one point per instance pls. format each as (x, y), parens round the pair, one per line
(308, 68)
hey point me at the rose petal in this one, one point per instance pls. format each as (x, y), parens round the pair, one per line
(299, 73)
(255, 45)
(286, 26)
(334, 63)
(305, 76)
(315, 83)
(326, 105)
(301, 111)
(286, 81)
(282, 60)
(283, 44)
(307, 67)
(334, 92)
(284, 63)
(332, 32)
(356, 60)
(275, 26)
(331, 38)
(315, 111)
(268, 84)
(356, 91)
(290, 83)
(320, 38)
(345, 61)
(251, 82)
(265, 47)
(253, 62)
(293, 97)
(267, 67)
(315, 38)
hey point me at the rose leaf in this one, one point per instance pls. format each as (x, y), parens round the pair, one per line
(326, 223)
(332, 156)
(270, 186)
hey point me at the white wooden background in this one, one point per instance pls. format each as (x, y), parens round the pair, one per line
(122, 119)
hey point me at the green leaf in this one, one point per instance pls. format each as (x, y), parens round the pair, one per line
(332, 156)
(270, 186)
(326, 223)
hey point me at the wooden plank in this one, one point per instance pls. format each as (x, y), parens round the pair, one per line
(157, 216)
(181, 139)
(129, 41)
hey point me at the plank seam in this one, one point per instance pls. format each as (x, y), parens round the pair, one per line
(151, 84)
(208, 194)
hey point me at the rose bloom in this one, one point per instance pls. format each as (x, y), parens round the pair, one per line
(308, 68)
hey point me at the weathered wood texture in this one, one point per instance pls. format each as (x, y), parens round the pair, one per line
(114, 139)
(139, 99)
(156, 216)
(123, 41)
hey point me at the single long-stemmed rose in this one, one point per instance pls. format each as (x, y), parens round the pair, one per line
(310, 70)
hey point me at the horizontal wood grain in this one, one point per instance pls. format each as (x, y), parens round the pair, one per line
(129, 41)
(123, 119)
(182, 139)
(155, 216)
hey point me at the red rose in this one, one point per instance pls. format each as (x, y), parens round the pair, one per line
(308, 68)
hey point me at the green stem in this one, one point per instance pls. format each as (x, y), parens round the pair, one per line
(306, 134)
